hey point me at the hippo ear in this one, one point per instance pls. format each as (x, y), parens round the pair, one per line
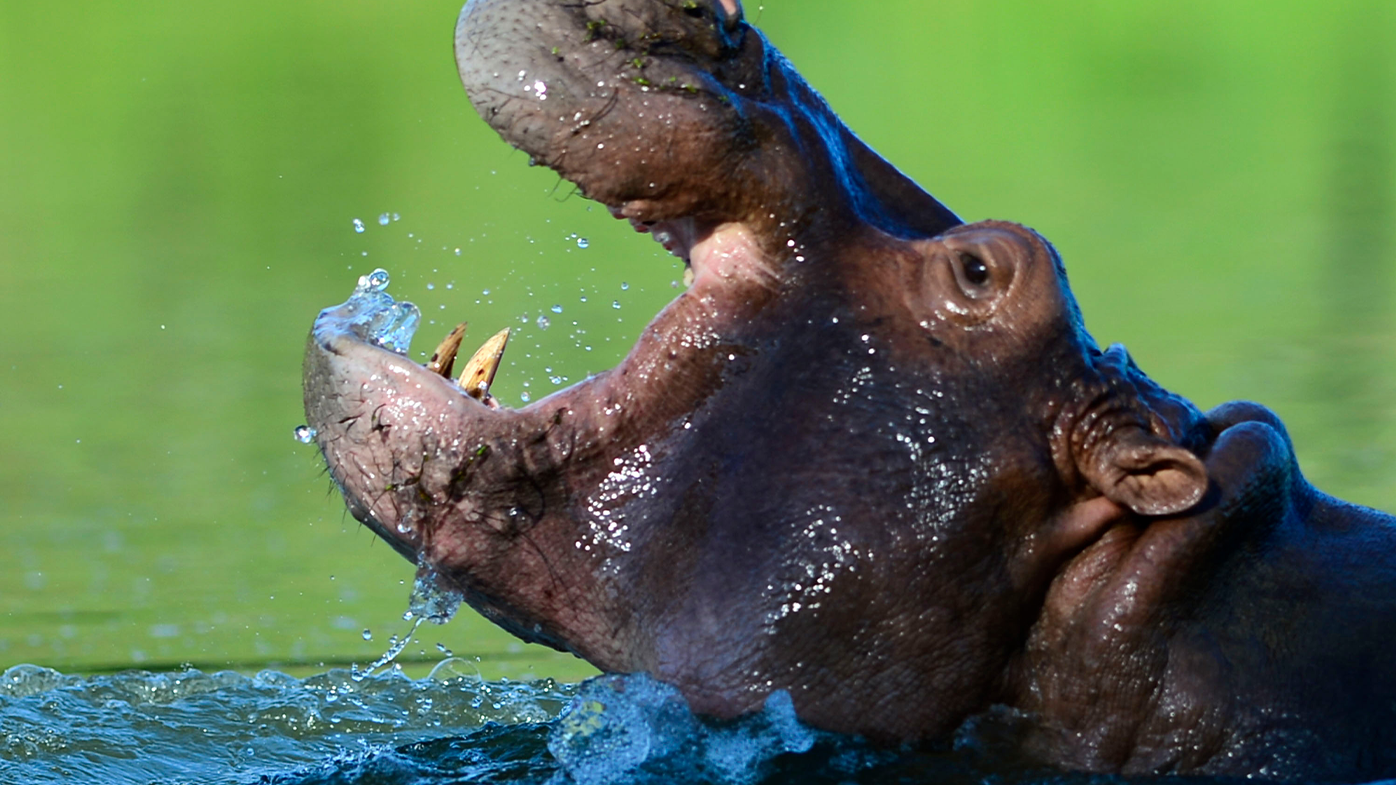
(1149, 475)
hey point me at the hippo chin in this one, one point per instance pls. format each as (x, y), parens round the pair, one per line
(871, 456)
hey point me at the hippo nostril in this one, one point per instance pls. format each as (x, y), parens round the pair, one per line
(692, 9)
(976, 272)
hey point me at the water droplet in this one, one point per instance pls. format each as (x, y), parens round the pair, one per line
(555, 379)
(615, 304)
(368, 635)
(583, 242)
(358, 226)
(525, 397)
(305, 434)
(397, 217)
(431, 286)
(441, 647)
(544, 322)
(383, 219)
(457, 252)
(584, 299)
(376, 281)
(624, 286)
(557, 309)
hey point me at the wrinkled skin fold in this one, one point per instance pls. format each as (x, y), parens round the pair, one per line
(871, 456)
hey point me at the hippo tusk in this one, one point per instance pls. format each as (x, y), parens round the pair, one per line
(444, 358)
(479, 372)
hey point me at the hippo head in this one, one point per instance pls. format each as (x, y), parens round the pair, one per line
(848, 462)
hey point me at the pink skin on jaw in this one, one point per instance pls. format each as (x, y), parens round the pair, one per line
(727, 250)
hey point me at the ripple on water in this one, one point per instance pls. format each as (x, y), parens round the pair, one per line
(451, 727)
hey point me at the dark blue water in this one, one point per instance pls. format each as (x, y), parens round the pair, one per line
(452, 727)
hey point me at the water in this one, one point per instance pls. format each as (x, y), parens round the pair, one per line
(139, 727)
(451, 727)
(378, 317)
(619, 726)
(430, 601)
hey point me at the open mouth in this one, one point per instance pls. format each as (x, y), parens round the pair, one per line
(713, 254)
(678, 238)
(405, 441)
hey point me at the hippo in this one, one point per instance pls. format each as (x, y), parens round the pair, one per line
(870, 457)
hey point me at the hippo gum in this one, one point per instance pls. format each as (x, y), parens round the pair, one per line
(871, 457)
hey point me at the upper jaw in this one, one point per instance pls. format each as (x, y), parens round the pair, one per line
(640, 103)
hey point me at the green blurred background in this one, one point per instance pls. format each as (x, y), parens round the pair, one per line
(178, 183)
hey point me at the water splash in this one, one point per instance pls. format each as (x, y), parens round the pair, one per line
(633, 728)
(395, 647)
(450, 727)
(432, 600)
(136, 727)
(378, 318)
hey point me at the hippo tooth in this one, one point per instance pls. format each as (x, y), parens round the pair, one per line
(688, 276)
(479, 372)
(444, 357)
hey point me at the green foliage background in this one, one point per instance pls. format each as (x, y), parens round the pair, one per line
(178, 181)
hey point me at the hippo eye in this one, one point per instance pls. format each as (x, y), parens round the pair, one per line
(976, 272)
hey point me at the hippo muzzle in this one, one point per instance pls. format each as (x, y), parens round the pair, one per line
(871, 456)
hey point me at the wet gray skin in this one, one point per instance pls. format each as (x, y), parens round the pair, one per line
(870, 457)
